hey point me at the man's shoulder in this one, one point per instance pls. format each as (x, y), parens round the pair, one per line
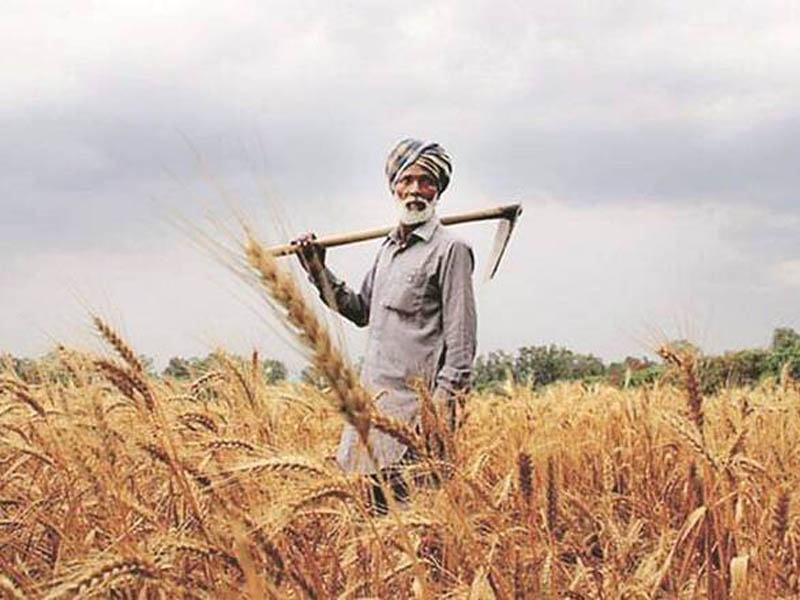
(448, 239)
(452, 248)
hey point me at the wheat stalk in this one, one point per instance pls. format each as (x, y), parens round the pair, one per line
(552, 495)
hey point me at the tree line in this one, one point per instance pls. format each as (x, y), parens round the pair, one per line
(532, 366)
(538, 366)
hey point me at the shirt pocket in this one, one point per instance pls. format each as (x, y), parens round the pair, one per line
(406, 291)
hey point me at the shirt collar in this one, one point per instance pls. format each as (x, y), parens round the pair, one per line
(423, 232)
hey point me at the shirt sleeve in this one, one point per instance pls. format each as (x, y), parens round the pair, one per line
(458, 319)
(337, 295)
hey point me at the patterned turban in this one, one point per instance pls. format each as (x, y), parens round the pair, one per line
(428, 155)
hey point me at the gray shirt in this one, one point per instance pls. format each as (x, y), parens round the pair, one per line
(419, 304)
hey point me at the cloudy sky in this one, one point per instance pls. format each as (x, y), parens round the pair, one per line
(654, 145)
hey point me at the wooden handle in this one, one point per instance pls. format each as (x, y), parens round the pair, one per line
(510, 212)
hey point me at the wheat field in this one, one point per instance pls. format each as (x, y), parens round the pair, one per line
(117, 484)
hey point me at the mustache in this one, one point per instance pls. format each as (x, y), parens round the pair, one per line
(411, 199)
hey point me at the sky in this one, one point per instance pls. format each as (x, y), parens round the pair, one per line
(653, 145)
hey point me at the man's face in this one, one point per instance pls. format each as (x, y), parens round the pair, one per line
(415, 193)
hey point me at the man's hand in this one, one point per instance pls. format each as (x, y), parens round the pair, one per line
(310, 254)
(445, 404)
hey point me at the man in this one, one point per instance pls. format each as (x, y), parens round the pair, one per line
(417, 300)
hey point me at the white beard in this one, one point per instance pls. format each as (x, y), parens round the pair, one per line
(414, 216)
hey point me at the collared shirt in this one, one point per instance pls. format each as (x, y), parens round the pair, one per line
(419, 303)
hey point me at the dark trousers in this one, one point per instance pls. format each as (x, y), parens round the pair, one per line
(393, 481)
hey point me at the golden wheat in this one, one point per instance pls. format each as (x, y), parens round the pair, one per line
(108, 489)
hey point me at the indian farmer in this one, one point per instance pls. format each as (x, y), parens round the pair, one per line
(418, 303)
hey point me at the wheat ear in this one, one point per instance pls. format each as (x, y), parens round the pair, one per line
(21, 392)
(116, 341)
(105, 577)
(686, 361)
(353, 400)
(780, 517)
(552, 496)
(525, 471)
(399, 430)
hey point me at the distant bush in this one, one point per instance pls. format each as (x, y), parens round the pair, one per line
(646, 376)
(633, 371)
(532, 366)
(732, 369)
(785, 352)
(536, 366)
(490, 370)
(273, 371)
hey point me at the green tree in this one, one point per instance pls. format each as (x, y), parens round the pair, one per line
(536, 366)
(784, 351)
(178, 368)
(739, 368)
(26, 369)
(541, 365)
(492, 369)
(784, 338)
(273, 371)
(634, 371)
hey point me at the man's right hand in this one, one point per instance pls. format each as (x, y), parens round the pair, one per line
(310, 253)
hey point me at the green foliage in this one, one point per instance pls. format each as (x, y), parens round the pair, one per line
(178, 368)
(634, 371)
(48, 367)
(536, 366)
(540, 365)
(749, 367)
(784, 339)
(645, 376)
(26, 369)
(785, 351)
(743, 367)
(273, 371)
(492, 369)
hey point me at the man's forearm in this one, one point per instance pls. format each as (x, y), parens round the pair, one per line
(335, 293)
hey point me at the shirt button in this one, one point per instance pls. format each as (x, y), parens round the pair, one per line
(410, 278)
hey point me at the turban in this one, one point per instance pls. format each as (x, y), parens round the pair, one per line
(428, 155)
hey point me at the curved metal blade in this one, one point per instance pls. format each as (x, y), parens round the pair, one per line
(504, 228)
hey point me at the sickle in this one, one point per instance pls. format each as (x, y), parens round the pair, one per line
(507, 216)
